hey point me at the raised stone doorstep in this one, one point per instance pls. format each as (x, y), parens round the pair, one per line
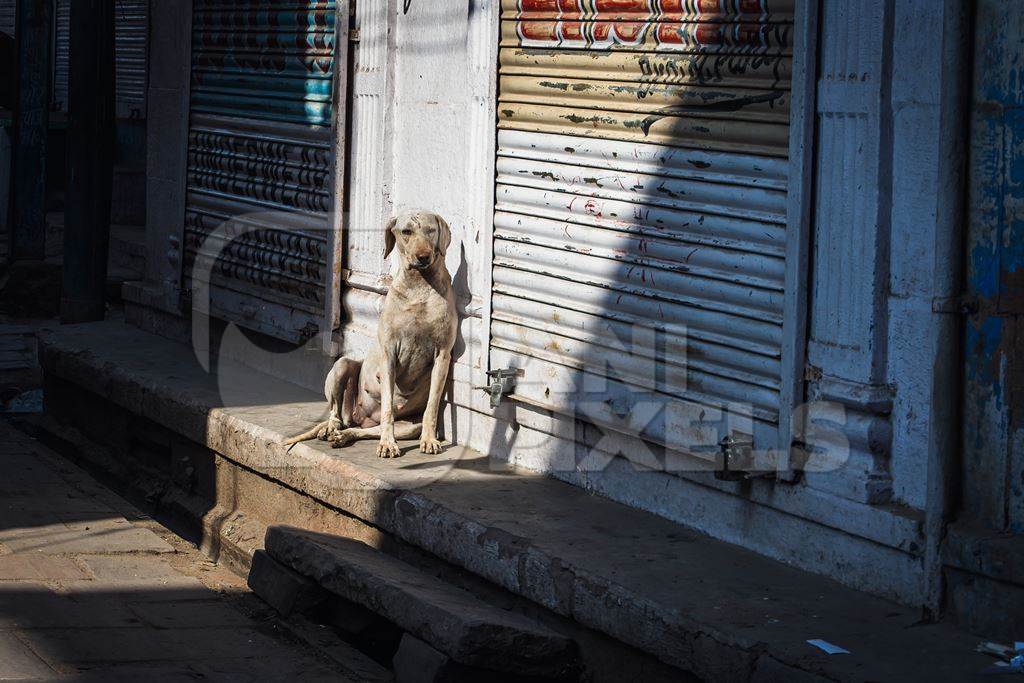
(450, 620)
(603, 574)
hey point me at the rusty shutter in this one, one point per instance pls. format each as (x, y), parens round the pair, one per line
(131, 26)
(260, 161)
(640, 223)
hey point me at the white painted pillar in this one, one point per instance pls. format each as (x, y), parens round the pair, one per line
(848, 325)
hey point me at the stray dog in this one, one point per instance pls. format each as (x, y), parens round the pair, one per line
(405, 373)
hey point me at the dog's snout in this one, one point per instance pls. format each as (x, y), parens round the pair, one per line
(423, 259)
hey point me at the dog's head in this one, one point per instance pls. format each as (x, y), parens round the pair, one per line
(421, 237)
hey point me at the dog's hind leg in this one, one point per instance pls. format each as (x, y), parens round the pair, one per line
(349, 387)
(403, 430)
(339, 390)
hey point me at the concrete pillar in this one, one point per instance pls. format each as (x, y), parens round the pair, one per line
(90, 172)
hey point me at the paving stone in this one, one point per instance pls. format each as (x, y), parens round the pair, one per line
(27, 605)
(451, 620)
(417, 662)
(177, 674)
(188, 614)
(282, 588)
(133, 645)
(83, 588)
(133, 568)
(347, 660)
(99, 521)
(16, 522)
(57, 540)
(63, 503)
(28, 567)
(18, 662)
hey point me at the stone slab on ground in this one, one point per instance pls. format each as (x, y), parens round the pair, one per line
(74, 606)
(703, 605)
(451, 620)
(282, 588)
(18, 662)
(23, 567)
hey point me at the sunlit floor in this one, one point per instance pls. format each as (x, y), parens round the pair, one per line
(90, 588)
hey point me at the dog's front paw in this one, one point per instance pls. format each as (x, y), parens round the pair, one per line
(430, 446)
(326, 432)
(388, 449)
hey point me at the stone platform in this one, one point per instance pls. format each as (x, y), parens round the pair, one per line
(642, 597)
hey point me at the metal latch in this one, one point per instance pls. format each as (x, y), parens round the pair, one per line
(353, 35)
(734, 458)
(503, 382)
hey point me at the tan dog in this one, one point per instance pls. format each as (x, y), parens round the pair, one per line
(404, 374)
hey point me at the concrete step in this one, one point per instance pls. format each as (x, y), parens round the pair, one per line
(629, 582)
(452, 621)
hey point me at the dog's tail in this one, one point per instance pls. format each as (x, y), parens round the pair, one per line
(306, 435)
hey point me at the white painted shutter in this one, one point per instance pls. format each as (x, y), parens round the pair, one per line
(640, 223)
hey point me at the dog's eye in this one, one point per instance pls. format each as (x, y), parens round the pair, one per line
(406, 232)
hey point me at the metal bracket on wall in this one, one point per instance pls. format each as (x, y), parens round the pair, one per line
(353, 35)
(503, 382)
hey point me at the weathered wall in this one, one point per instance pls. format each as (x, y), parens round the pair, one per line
(879, 254)
(423, 135)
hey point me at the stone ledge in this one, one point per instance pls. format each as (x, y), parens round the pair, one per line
(460, 625)
(705, 606)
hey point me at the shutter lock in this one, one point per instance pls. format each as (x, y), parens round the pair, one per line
(503, 382)
(735, 458)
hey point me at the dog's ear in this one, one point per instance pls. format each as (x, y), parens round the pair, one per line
(389, 236)
(444, 239)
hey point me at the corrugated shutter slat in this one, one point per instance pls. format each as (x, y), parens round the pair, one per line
(260, 159)
(642, 186)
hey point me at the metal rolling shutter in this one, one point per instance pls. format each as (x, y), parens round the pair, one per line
(131, 26)
(260, 160)
(7, 16)
(641, 190)
(131, 37)
(61, 55)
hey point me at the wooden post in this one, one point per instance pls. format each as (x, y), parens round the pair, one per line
(90, 160)
(31, 120)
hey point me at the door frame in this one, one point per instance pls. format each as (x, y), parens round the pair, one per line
(331, 325)
(800, 200)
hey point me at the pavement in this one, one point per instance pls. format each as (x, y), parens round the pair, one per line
(92, 589)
